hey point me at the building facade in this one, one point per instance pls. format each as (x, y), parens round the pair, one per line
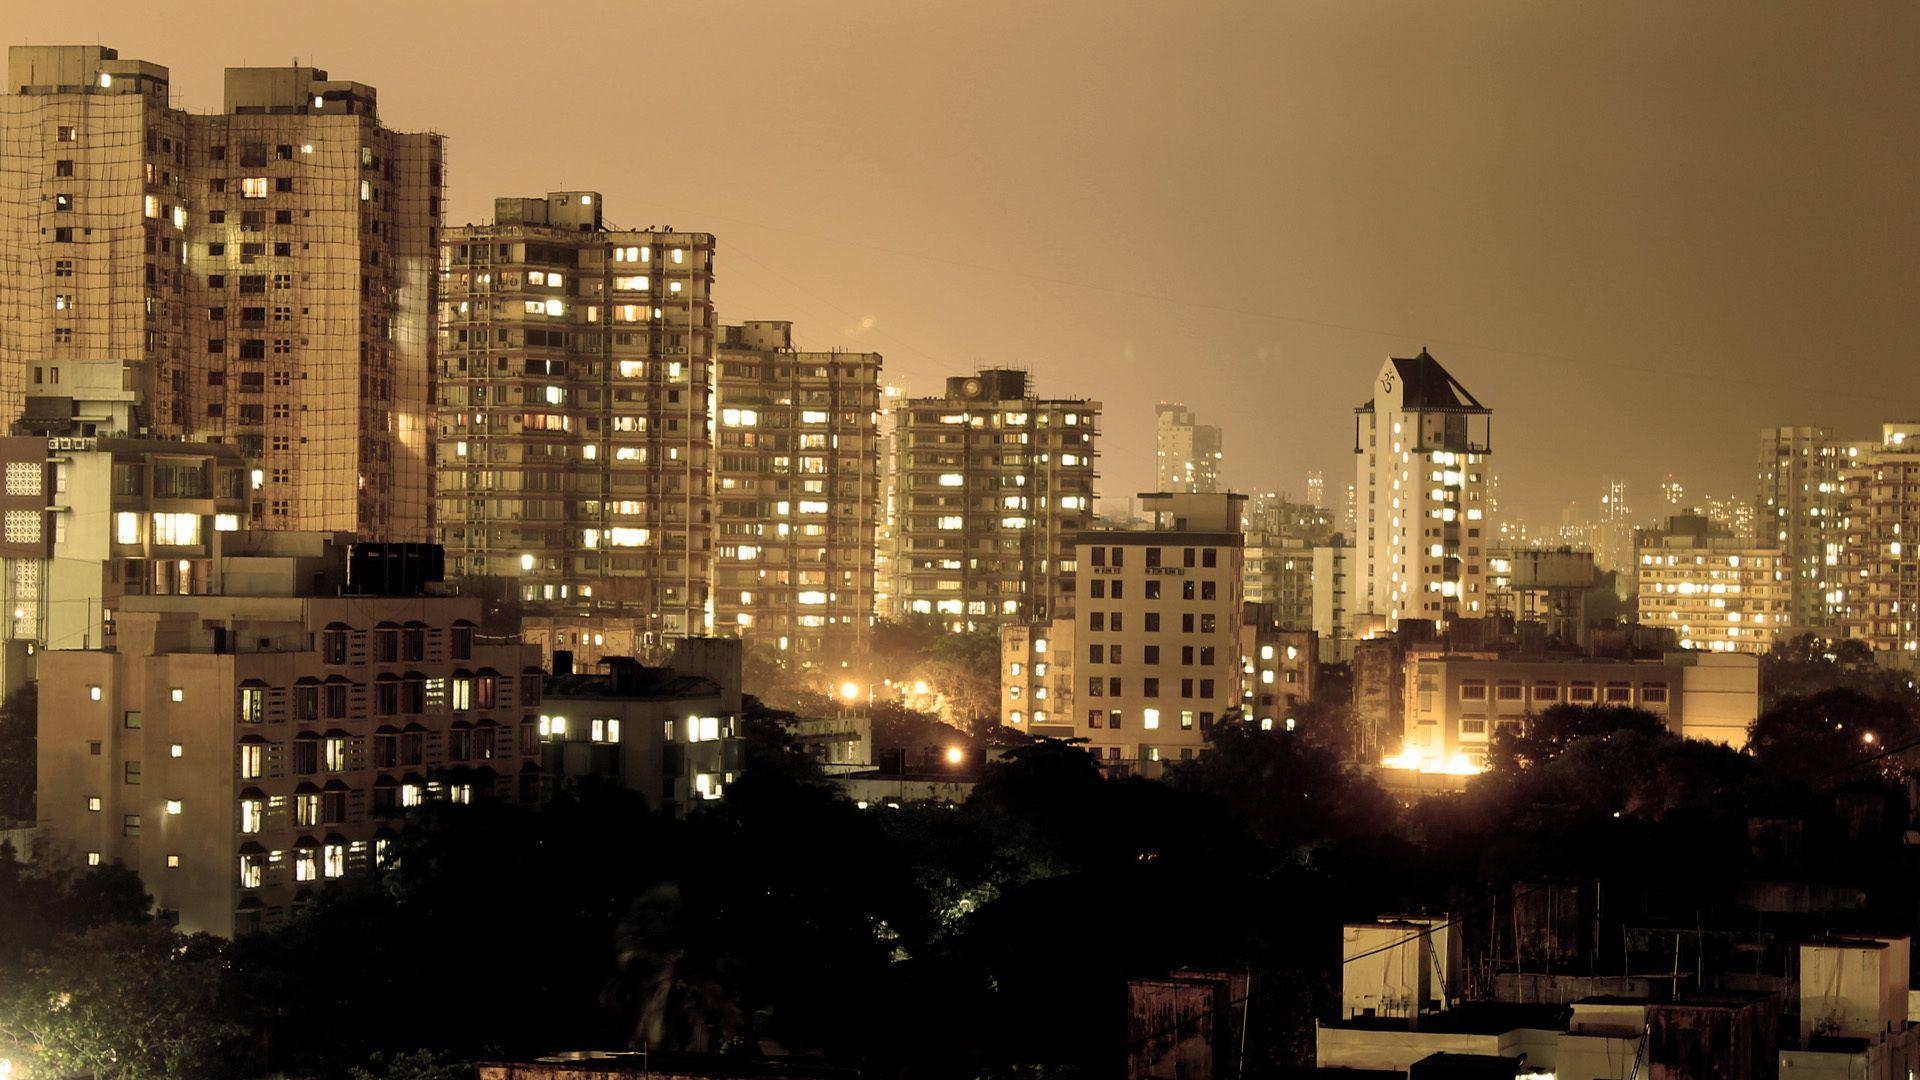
(797, 470)
(1157, 625)
(1878, 593)
(669, 733)
(575, 413)
(1187, 454)
(1456, 702)
(263, 277)
(992, 484)
(1715, 591)
(1423, 527)
(241, 750)
(1798, 510)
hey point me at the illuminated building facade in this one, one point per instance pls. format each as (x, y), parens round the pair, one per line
(1157, 624)
(992, 483)
(263, 277)
(1456, 702)
(240, 751)
(1715, 591)
(1187, 454)
(798, 478)
(1879, 591)
(1423, 530)
(1798, 510)
(575, 413)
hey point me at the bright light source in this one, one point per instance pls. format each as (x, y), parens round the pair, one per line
(920, 686)
(849, 690)
(955, 755)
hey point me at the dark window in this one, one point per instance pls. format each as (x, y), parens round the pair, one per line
(306, 755)
(1153, 556)
(1153, 622)
(1210, 558)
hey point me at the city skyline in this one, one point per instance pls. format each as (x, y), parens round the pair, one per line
(1524, 256)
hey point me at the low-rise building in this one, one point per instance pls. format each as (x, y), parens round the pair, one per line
(1455, 702)
(241, 749)
(668, 733)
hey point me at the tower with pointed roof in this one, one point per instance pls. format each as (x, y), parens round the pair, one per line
(1422, 523)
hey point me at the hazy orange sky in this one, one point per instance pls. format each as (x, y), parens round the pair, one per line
(1639, 232)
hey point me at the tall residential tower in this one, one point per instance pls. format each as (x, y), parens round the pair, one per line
(576, 412)
(992, 485)
(1186, 454)
(264, 276)
(1423, 530)
(798, 474)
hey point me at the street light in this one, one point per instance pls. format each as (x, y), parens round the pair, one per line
(849, 690)
(955, 755)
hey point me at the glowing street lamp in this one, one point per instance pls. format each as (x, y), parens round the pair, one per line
(955, 755)
(849, 690)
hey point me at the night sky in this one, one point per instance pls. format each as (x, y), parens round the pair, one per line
(1639, 232)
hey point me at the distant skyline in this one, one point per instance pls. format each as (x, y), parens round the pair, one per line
(1638, 232)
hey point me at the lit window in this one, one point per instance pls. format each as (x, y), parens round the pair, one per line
(176, 529)
(256, 187)
(173, 807)
(126, 527)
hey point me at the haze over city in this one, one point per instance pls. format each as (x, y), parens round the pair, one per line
(1639, 230)
(891, 541)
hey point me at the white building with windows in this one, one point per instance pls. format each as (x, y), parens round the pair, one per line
(1423, 521)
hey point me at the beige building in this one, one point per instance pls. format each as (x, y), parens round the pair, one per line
(241, 750)
(575, 413)
(798, 478)
(1456, 702)
(991, 486)
(1036, 678)
(1715, 592)
(1187, 454)
(1423, 529)
(1157, 625)
(1798, 510)
(262, 277)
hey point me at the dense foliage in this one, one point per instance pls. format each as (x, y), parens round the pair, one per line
(990, 939)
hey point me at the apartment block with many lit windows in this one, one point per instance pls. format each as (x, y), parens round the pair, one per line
(1879, 581)
(575, 409)
(991, 485)
(1714, 591)
(797, 472)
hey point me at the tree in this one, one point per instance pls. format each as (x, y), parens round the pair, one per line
(1829, 732)
(415, 1065)
(19, 719)
(124, 1002)
(1547, 735)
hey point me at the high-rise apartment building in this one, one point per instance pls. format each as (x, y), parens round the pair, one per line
(1317, 488)
(264, 277)
(575, 412)
(1715, 591)
(1423, 531)
(798, 478)
(1798, 511)
(992, 485)
(242, 750)
(1187, 454)
(1157, 628)
(1877, 594)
